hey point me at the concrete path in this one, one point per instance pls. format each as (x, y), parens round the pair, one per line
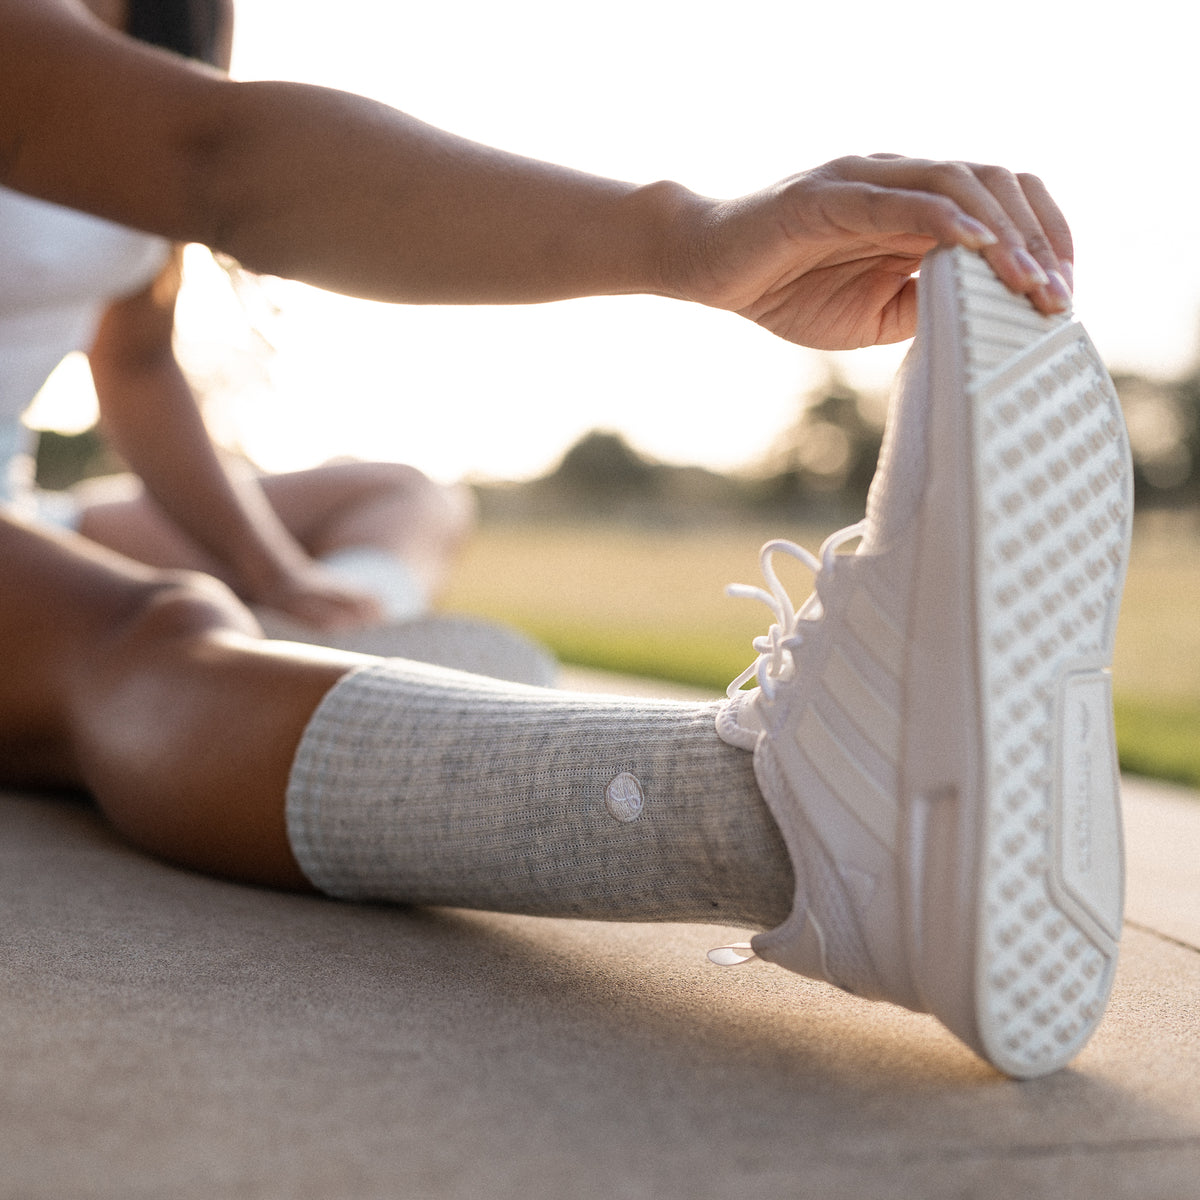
(168, 1036)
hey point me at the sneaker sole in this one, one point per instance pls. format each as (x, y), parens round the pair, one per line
(1010, 777)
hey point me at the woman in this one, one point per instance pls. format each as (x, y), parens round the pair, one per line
(854, 803)
(340, 546)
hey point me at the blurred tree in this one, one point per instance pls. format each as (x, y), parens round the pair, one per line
(1162, 422)
(604, 464)
(830, 450)
(1187, 398)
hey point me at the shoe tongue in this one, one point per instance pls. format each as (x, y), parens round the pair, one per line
(896, 488)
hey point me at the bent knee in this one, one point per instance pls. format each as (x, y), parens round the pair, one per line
(387, 496)
(183, 604)
(408, 484)
(463, 508)
(136, 682)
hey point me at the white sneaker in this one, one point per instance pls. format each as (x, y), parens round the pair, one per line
(933, 728)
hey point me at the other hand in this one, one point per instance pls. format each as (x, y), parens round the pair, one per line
(313, 597)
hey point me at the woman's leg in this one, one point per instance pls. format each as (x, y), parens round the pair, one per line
(386, 507)
(150, 691)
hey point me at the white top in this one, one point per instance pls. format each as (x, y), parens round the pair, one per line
(59, 269)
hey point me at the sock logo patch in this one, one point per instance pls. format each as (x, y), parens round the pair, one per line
(624, 798)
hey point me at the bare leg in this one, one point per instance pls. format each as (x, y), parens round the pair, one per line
(388, 506)
(150, 691)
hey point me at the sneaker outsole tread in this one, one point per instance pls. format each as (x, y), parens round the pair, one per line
(1052, 524)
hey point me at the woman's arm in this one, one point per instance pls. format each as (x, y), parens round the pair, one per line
(303, 181)
(149, 413)
(354, 196)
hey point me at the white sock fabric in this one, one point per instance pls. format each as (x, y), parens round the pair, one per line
(424, 786)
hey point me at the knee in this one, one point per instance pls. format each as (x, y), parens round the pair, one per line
(148, 676)
(448, 511)
(463, 507)
(452, 511)
(176, 607)
(405, 481)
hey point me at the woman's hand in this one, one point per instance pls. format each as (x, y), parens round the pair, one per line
(312, 596)
(826, 258)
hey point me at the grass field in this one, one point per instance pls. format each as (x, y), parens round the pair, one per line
(651, 602)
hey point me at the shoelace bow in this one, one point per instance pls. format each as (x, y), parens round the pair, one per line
(777, 646)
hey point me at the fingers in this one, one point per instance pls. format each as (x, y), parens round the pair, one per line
(1052, 220)
(1010, 218)
(327, 607)
(332, 611)
(1033, 234)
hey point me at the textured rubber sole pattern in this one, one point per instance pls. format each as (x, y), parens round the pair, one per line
(1052, 526)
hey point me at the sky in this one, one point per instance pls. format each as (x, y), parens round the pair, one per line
(1098, 99)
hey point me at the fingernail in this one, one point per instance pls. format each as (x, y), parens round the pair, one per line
(1047, 301)
(1059, 291)
(1030, 267)
(975, 233)
(1068, 273)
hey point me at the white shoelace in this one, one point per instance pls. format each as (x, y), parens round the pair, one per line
(775, 661)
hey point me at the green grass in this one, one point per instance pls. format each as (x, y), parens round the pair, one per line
(1160, 738)
(652, 603)
(640, 652)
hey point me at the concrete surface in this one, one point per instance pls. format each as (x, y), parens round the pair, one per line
(167, 1035)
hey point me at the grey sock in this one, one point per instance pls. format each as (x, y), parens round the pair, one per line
(430, 787)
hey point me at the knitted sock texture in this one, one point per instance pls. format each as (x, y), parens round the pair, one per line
(422, 786)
